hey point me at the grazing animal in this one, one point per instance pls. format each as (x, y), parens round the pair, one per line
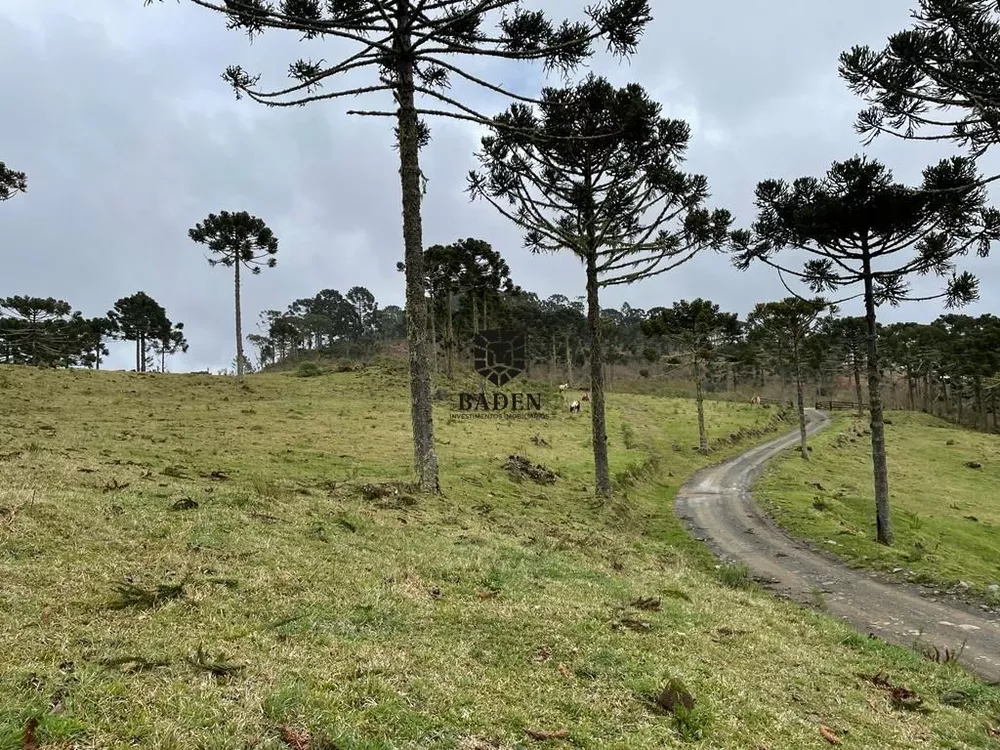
(574, 407)
(585, 396)
(755, 400)
(564, 386)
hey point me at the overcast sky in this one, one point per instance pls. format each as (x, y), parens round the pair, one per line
(128, 135)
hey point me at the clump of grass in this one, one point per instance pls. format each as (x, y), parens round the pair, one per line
(736, 576)
(267, 488)
(628, 436)
(691, 723)
(129, 595)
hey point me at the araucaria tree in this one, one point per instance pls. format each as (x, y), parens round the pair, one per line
(594, 170)
(937, 81)
(141, 319)
(418, 47)
(696, 330)
(11, 182)
(238, 240)
(783, 327)
(858, 227)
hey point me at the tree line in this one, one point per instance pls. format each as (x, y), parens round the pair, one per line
(596, 171)
(48, 332)
(949, 367)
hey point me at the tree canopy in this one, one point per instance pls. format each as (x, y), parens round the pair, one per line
(141, 319)
(939, 80)
(857, 225)
(595, 170)
(12, 182)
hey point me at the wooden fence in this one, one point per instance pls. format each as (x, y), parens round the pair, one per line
(839, 405)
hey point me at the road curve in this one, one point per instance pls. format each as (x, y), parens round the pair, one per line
(716, 506)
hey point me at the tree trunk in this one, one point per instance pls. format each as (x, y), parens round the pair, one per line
(857, 383)
(432, 312)
(883, 522)
(569, 363)
(700, 399)
(554, 367)
(451, 338)
(993, 408)
(800, 400)
(425, 458)
(909, 387)
(927, 392)
(475, 312)
(138, 353)
(485, 323)
(239, 321)
(602, 472)
(980, 403)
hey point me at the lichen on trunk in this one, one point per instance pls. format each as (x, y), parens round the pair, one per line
(800, 402)
(239, 322)
(602, 472)
(424, 455)
(883, 521)
(700, 400)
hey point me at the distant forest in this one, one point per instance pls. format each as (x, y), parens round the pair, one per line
(950, 367)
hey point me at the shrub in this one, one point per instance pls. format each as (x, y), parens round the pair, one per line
(308, 370)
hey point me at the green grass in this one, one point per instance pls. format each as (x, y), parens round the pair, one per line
(188, 563)
(945, 515)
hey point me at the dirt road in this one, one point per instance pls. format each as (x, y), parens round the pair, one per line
(716, 506)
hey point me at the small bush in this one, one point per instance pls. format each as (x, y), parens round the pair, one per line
(643, 373)
(308, 370)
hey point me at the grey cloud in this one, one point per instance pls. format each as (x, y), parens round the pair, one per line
(129, 136)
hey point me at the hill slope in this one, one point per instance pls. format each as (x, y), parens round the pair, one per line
(944, 484)
(190, 563)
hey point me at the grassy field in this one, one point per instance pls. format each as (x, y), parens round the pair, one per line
(190, 563)
(943, 484)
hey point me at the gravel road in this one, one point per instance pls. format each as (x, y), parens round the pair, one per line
(717, 509)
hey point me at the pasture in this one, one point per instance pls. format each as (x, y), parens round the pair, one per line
(190, 563)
